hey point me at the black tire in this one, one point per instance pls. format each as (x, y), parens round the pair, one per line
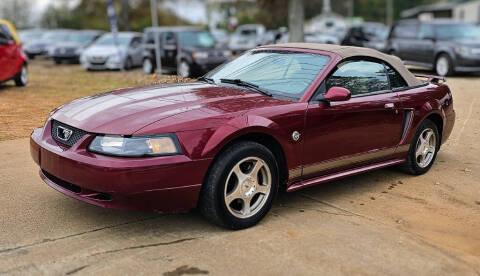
(21, 78)
(30, 56)
(411, 165)
(128, 64)
(57, 61)
(212, 197)
(449, 71)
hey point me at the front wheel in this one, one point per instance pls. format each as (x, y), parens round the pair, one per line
(240, 187)
(147, 66)
(183, 69)
(423, 149)
(444, 65)
(128, 64)
(21, 79)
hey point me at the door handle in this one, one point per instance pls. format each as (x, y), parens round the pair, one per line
(389, 106)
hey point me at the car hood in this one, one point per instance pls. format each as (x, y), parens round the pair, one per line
(468, 42)
(104, 50)
(70, 45)
(129, 110)
(463, 42)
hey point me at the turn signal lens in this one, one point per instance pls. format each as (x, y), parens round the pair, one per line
(162, 145)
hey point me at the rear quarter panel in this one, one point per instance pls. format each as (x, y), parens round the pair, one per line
(425, 101)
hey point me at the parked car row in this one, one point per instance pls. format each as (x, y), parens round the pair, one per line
(445, 46)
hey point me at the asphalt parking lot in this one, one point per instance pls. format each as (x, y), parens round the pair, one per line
(382, 222)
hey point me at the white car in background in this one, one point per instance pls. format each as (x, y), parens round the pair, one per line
(107, 53)
(247, 37)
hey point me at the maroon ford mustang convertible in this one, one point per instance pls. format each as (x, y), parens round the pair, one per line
(276, 118)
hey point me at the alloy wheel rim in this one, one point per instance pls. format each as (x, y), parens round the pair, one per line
(24, 75)
(247, 187)
(442, 66)
(425, 148)
(184, 69)
(147, 66)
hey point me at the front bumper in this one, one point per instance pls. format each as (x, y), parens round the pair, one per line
(103, 63)
(65, 57)
(148, 184)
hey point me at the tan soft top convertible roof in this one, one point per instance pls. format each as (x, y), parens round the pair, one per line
(351, 51)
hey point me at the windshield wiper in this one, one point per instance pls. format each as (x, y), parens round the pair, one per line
(247, 84)
(207, 80)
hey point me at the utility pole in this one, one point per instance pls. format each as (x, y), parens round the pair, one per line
(154, 10)
(389, 7)
(296, 18)
(351, 8)
(126, 15)
(326, 7)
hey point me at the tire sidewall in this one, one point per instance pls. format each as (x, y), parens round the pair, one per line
(18, 78)
(150, 64)
(128, 64)
(221, 172)
(450, 68)
(425, 124)
(189, 73)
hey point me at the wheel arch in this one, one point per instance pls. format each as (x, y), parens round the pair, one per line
(258, 135)
(442, 52)
(438, 121)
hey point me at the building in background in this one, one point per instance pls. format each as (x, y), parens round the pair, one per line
(465, 10)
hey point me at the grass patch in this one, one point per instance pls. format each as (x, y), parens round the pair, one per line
(24, 108)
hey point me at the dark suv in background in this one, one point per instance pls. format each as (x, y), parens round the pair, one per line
(369, 34)
(189, 51)
(446, 46)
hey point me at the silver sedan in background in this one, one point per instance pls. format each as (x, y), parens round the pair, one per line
(110, 53)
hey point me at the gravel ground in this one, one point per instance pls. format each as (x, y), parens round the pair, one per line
(382, 222)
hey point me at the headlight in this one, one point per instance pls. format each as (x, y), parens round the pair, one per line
(135, 146)
(463, 50)
(200, 55)
(227, 53)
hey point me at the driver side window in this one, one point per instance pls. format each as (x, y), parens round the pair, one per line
(360, 77)
(4, 33)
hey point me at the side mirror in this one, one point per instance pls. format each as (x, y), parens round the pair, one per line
(337, 94)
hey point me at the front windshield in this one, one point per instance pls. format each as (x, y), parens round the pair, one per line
(282, 73)
(108, 40)
(30, 35)
(380, 32)
(197, 39)
(458, 31)
(81, 38)
(56, 36)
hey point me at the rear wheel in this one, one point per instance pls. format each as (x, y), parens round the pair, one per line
(57, 61)
(444, 65)
(423, 150)
(240, 187)
(21, 79)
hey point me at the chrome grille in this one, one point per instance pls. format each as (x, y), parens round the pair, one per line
(76, 135)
